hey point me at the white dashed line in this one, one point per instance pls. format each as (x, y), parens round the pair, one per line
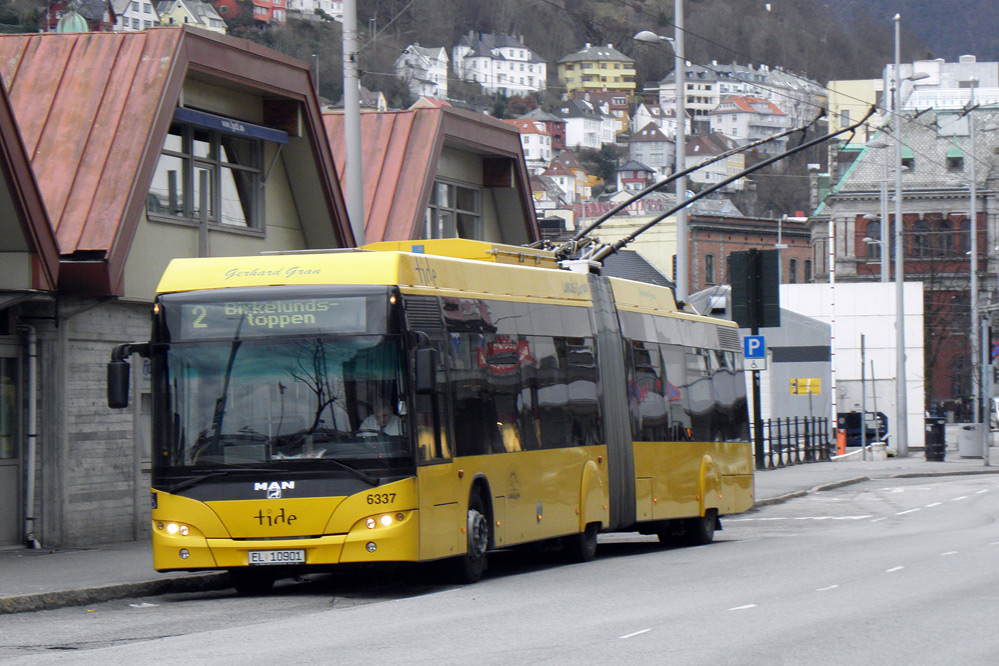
(746, 607)
(983, 490)
(894, 569)
(826, 589)
(958, 499)
(932, 504)
(902, 513)
(878, 520)
(949, 552)
(636, 633)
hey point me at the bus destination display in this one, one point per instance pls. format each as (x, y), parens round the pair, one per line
(222, 319)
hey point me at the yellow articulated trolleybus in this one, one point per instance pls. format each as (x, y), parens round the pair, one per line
(429, 400)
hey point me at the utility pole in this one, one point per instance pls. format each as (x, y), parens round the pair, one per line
(353, 174)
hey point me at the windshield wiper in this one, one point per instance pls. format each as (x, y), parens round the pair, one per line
(363, 476)
(195, 480)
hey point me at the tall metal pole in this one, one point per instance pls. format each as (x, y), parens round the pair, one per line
(883, 245)
(353, 175)
(680, 70)
(973, 247)
(901, 403)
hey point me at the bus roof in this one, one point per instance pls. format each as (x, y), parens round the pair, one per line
(491, 276)
(450, 267)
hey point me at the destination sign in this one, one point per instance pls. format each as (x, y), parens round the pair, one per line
(226, 319)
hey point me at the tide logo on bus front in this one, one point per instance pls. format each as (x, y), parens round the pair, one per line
(274, 488)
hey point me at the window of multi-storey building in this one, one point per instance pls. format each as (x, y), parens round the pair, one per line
(921, 244)
(945, 238)
(955, 159)
(792, 271)
(807, 277)
(454, 211)
(230, 155)
(709, 269)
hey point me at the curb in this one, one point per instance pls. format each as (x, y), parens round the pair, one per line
(779, 499)
(28, 603)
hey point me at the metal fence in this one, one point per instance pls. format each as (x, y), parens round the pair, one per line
(795, 440)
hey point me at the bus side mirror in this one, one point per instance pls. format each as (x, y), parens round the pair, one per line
(426, 370)
(118, 374)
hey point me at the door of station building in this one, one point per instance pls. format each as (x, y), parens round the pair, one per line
(10, 449)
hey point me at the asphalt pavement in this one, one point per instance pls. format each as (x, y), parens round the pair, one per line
(47, 578)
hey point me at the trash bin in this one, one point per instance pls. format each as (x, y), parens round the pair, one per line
(969, 441)
(936, 441)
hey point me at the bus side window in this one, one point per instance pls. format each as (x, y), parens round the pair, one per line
(431, 418)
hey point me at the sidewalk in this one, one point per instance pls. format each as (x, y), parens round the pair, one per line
(40, 579)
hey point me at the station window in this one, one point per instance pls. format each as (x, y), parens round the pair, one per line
(454, 211)
(234, 176)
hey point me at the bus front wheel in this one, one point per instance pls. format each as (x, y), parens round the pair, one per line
(473, 562)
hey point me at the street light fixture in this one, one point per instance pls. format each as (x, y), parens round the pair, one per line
(680, 76)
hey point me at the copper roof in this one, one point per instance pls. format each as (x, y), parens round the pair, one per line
(23, 191)
(400, 152)
(94, 109)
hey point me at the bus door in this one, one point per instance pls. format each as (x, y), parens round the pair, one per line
(437, 482)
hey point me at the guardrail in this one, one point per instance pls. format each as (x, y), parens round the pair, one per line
(796, 440)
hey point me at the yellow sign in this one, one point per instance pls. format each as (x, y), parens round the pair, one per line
(806, 385)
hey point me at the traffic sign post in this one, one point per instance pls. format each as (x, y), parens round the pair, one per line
(754, 348)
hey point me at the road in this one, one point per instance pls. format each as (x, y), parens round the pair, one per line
(876, 573)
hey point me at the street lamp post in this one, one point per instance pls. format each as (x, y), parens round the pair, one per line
(901, 399)
(680, 75)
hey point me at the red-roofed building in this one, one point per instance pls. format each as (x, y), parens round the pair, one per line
(536, 142)
(440, 172)
(747, 119)
(116, 125)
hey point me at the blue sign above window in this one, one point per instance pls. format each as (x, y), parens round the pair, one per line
(229, 125)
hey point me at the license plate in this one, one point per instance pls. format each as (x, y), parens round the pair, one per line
(276, 557)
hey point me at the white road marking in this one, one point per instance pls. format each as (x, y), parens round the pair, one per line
(636, 633)
(983, 490)
(894, 569)
(957, 499)
(878, 520)
(949, 552)
(747, 606)
(902, 513)
(826, 589)
(932, 504)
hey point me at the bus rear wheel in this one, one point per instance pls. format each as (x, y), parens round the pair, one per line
(251, 583)
(701, 531)
(472, 564)
(582, 547)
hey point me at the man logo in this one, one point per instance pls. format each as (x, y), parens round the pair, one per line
(274, 488)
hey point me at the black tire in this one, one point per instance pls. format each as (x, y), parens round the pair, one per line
(470, 566)
(701, 531)
(582, 547)
(672, 534)
(251, 583)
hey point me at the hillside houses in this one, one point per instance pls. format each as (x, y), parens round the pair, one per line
(499, 63)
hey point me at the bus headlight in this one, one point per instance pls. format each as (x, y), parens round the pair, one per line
(177, 528)
(386, 520)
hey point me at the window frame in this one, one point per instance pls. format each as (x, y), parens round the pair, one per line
(432, 219)
(219, 160)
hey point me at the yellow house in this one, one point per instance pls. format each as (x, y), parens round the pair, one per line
(597, 68)
(191, 12)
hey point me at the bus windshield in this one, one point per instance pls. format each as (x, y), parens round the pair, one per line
(301, 402)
